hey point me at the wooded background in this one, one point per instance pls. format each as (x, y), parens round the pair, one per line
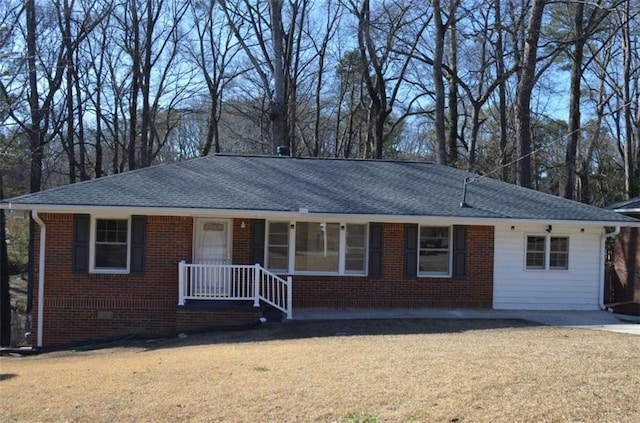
(540, 93)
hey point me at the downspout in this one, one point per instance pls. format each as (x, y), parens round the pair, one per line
(603, 258)
(41, 257)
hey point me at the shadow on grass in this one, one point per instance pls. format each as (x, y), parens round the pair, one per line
(7, 376)
(333, 328)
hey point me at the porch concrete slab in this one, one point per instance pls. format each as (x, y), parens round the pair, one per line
(599, 320)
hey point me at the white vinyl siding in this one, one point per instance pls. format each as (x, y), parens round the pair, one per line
(572, 288)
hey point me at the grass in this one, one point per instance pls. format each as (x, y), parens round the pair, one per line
(341, 371)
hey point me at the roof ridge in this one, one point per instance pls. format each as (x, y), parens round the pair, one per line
(352, 159)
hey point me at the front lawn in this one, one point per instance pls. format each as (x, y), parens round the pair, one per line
(346, 371)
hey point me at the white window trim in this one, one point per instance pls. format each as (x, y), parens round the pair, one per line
(449, 273)
(267, 244)
(343, 256)
(547, 253)
(342, 249)
(92, 245)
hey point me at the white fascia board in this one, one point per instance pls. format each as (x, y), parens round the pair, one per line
(302, 215)
(623, 211)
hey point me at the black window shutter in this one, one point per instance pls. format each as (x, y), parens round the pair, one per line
(459, 251)
(410, 249)
(138, 235)
(257, 241)
(375, 249)
(81, 228)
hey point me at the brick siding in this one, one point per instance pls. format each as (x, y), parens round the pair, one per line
(84, 306)
(393, 289)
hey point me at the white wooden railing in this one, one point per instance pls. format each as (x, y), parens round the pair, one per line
(233, 282)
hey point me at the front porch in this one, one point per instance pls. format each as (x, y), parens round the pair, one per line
(234, 282)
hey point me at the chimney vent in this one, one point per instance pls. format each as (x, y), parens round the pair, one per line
(283, 150)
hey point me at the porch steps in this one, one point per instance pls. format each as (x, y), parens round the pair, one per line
(270, 313)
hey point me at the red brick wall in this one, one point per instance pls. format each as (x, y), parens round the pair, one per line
(194, 319)
(393, 289)
(81, 306)
(626, 284)
(84, 306)
(242, 241)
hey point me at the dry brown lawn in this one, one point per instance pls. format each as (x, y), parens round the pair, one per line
(345, 371)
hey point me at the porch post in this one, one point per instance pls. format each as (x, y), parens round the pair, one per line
(256, 285)
(181, 280)
(289, 298)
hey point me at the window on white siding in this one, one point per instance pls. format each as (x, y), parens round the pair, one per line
(559, 253)
(110, 245)
(434, 256)
(278, 246)
(544, 252)
(536, 252)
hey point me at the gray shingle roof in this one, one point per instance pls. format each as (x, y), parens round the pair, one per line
(361, 187)
(626, 206)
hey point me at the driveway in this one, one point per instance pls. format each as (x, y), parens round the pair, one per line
(599, 320)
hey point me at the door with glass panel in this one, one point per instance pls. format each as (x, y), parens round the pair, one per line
(212, 250)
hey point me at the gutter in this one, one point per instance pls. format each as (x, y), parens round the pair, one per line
(303, 213)
(41, 257)
(603, 258)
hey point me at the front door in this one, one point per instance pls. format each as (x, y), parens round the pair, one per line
(212, 247)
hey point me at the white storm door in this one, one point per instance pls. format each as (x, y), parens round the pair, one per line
(212, 248)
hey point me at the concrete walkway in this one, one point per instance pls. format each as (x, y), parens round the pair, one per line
(600, 320)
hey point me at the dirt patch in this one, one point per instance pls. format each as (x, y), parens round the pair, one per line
(18, 290)
(20, 320)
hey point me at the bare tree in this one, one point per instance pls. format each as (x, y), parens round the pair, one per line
(582, 31)
(213, 55)
(151, 37)
(525, 88)
(263, 43)
(385, 70)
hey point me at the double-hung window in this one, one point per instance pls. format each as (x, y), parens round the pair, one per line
(278, 246)
(317, 247)
(110, 245)
(546, 252)
(434, 258)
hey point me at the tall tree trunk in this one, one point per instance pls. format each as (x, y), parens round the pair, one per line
(629, 170)
(212, 128)
(438, 82)
(453, 86)
(36, 137)
(5, 291)
(146, 140)
(502, 95)
(525, 89)
(70, 142)
(82, 147)
(574, 104)
(135, 87)
(278, 107)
